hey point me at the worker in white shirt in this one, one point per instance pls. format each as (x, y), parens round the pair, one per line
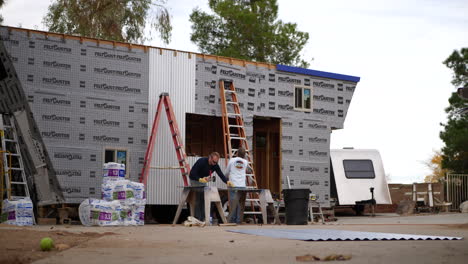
(236, 173)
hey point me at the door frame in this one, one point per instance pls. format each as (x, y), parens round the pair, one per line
(280, 157)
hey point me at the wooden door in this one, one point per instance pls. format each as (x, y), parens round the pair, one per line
(261, 159)
(267, 157)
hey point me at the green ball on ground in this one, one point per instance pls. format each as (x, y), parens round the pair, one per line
(47, 244)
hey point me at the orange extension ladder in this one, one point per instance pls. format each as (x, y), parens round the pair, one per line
(178, 143)
(235, 137)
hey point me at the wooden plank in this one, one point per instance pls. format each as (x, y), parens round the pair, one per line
(280, 157)
(420, 193)
(46, 221)
(238, 62)
(268, 160)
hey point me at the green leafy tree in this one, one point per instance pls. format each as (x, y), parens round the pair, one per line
(248, 30)
(118, 20)
(2, 2)
(455, 133)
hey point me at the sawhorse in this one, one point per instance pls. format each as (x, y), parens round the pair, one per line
(210, 194)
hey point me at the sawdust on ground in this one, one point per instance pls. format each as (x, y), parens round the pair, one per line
(20, 246)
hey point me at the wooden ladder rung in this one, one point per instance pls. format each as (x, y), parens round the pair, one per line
(239, 138)
(235, 150)
(19, 183)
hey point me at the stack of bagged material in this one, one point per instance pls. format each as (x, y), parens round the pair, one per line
(123, 201)
(131, 197)
(113, 172)
(19, 212)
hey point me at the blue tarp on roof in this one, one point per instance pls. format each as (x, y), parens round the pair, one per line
(323, 74)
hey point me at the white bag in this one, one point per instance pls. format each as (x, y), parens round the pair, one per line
(18, 212)
(113, 171)
(116, 190)
(105, 213)
(84, 211)
(126, 216)
(139, 212)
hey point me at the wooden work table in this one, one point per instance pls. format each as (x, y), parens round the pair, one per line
(211, 194)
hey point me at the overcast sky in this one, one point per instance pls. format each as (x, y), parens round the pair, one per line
(396, 47)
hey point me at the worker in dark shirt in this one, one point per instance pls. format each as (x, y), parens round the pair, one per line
(202, 169)
(200, 174)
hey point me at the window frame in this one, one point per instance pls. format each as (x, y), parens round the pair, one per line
(365, 178)
(303, 100)
(115, 150)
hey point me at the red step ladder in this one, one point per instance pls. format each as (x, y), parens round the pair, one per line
(178, 143)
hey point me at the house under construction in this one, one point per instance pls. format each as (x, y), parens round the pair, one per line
(94, 102)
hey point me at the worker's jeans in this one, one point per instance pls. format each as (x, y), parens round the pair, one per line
(235, 217)
(199, 200)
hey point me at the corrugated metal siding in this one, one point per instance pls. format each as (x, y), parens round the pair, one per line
(173, 73)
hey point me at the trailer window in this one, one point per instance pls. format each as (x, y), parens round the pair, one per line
(359, 169)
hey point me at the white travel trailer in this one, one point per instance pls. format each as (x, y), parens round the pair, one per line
(354, 172)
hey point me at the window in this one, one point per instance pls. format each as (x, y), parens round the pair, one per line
(116, 155)
(359, 169)
(302, 97)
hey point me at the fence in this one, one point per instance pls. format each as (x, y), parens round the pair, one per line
(456, 189)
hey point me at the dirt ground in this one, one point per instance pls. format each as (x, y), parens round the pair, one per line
(179, 244)
(21, 245)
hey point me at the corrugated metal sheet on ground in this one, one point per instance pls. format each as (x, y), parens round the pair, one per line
(336, 235)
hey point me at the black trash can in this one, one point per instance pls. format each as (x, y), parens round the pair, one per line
(296, 202)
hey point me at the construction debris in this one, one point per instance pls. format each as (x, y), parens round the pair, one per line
(228, 224)
(61, 247)
(311, 258)
(337, 257)
(192, 221)
(307, 258)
